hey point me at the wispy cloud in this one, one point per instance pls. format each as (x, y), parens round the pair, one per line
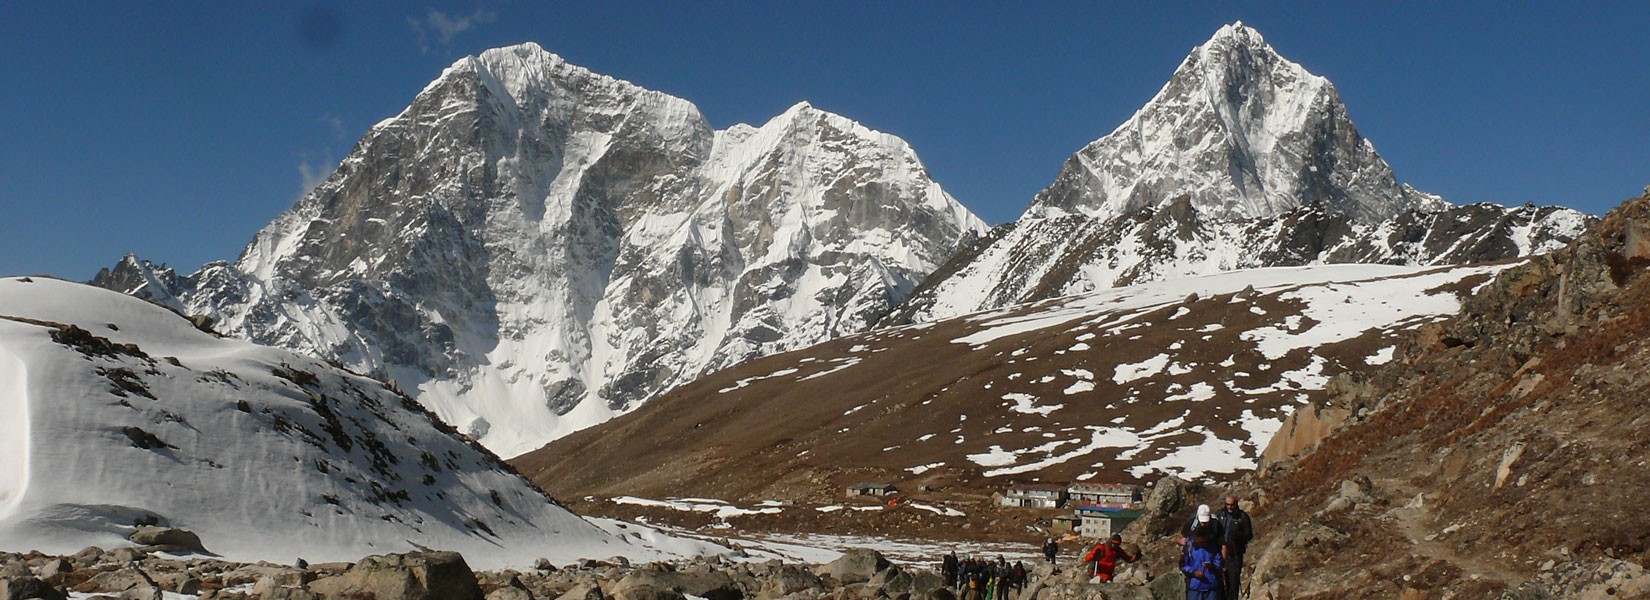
(312, 173)
(334, 124)
(444, 26)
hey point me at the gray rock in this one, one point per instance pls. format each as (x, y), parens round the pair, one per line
(856, 566)
(411, 576)
(508, 593)
(122, 556)
(55, 567)
(116, 581)
(25, 588)
(89, 556)
(583, 591)
(167, 536)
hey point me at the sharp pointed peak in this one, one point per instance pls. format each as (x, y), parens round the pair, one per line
(1237, 32)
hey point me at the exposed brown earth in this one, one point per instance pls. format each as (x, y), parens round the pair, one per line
(1505, 452)
(800, 427)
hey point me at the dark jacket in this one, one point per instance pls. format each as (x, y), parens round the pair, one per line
(1050, 549)
(1216, 531)
(1238, 529)
(1206, 559)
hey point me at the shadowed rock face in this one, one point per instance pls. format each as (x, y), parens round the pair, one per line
(529, 239)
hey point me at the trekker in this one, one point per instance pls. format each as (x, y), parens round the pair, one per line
(1202, 565)
(975, 585)
(1051, 549)
(1239, 530)
(1106, 555)
(948, 569)
(1204, 518)
(1020, 577)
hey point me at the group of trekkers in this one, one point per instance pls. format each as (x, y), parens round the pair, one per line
(981, 579)
(1212, 549)
(1212, 546)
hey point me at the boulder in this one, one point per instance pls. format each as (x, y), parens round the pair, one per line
(1168, 586)
(281, 575)
(1299, 549)
(122, 556)
(646, 585)
(55, 569)
(411, 576)
(583, 591)
(924, 581)
(170, 537)
(509, 593)
(856, 566)
(182, 583)
(788, 579)
(1168, 497)
(88, 557)
(24, 588)
(890, 582)
(15, 569)
(117, 581)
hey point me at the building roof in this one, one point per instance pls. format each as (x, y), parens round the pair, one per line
(1103, 488)
(867, 484)
(1110, 513)
(1037, 487)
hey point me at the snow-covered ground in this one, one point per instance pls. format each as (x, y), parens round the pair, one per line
(267, 455)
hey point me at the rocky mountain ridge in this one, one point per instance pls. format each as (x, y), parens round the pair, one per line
(1243, 160)
(531, 248)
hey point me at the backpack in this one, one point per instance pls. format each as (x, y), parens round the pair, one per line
(1092, 553)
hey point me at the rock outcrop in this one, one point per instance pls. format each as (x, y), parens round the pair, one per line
(1492, 457)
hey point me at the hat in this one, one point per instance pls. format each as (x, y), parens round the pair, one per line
(1203, 515)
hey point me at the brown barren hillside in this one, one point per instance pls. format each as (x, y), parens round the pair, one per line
(1505, 451)
(1189, 378)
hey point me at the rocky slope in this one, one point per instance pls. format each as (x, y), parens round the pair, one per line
(1243, 160)
(531, 248)
(1502, 452)
(1188, 377)
(116, 413)
(446, 576)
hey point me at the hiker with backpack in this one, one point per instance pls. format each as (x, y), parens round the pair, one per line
(1203, 565)
(1239, 530)
(1105, 556)
(948, 569)
(1051, 549)
(1204, 518)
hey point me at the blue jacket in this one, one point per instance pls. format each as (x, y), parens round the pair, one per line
(1193, 561)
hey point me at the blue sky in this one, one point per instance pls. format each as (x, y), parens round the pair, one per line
(176, 129)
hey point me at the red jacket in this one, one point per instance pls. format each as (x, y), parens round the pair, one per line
(1105, 558)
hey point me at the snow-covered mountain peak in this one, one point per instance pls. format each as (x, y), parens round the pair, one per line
(1237, 33)
(1244, 133)
(534, 247)
(1243, 159)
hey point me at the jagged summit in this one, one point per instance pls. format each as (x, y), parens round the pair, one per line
(534, 247)
(1243, 159)
(1244, 133)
